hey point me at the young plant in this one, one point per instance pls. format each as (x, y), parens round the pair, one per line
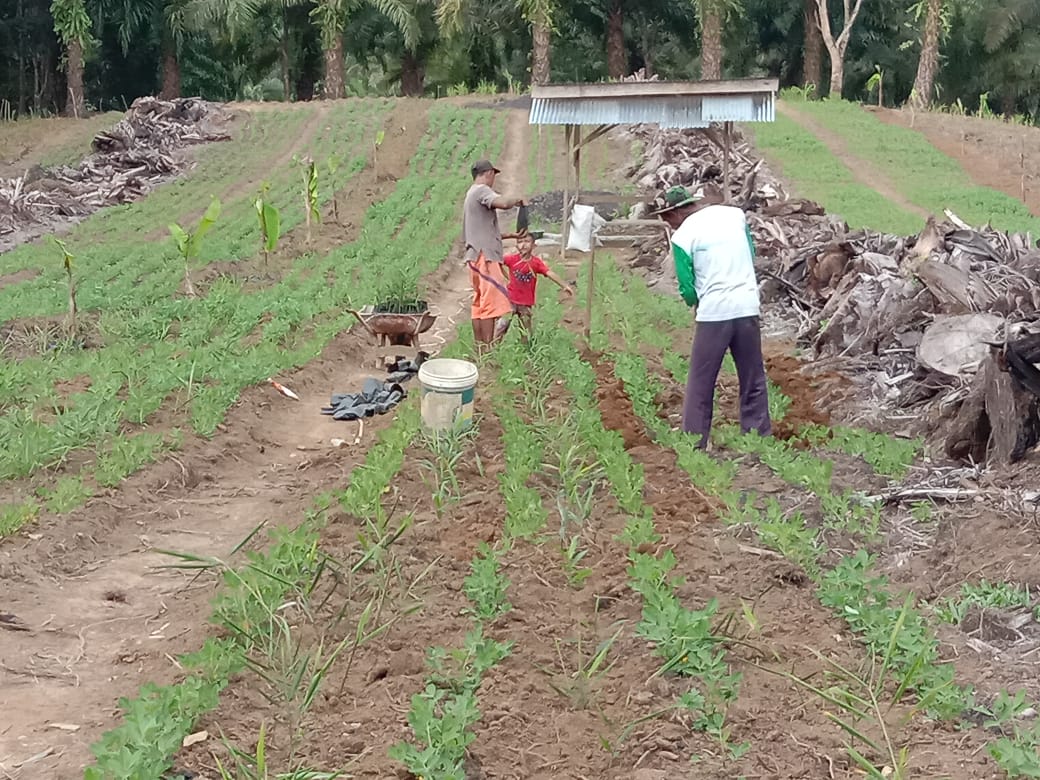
(68, 257)
(877, 82)
(486, 587)
(377, 142)
(189, 244)
(579, 686)
(310, 194)
(332, 165)
(865, 704)
(270, 222)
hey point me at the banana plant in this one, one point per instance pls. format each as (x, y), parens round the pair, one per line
(376, 143)
(332, 164)
(270, 222)
(70, 324)
(310, 194)
(188, 244)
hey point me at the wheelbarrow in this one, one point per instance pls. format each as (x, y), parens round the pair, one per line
(395, 329)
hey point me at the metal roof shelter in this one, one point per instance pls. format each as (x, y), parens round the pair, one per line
(668, 104)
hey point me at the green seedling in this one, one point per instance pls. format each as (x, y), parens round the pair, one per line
(254, 765)
(1018, 754)
(922, 511)
(67, 258)
(985, 595)
(270, 222)
(486, 587)
(377, 141)
(448, 449)
(865, 703)
(1004, 709)
(442, 723)
(310, 195)
(461, 669)
(579, 686)
(189, 244)
(332, 165)
(573, 555)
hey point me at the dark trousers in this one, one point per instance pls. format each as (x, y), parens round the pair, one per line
(743, 338)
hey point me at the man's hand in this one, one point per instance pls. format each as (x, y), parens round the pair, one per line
(569, 291)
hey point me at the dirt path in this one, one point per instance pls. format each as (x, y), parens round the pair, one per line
(102, 618)
(862, 171)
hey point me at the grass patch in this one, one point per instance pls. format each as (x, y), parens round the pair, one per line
(815, 173)
(922, 173)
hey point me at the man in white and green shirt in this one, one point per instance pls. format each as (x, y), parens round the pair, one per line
(714, 262)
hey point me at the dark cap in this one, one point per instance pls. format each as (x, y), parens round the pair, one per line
(483, 166)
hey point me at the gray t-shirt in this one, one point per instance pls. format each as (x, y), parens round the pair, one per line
(480, 229)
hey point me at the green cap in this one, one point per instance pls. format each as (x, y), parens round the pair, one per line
(675, 198)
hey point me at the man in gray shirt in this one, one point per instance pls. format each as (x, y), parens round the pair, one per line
(483, 240)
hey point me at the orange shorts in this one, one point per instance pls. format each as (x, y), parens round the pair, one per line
(490, 298)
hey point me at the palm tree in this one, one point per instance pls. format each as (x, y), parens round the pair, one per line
(928, 64)
(72, 25)
(458, 17)
(332, 16)
(1011, 38)
(812, 61)
(170, 19)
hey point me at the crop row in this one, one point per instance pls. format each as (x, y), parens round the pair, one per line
(896, 634)
(233, 338)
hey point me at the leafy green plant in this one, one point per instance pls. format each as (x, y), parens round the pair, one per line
(377, 141)
(876, 83)
(984, 594)
(310, 195)
(485, 586)
(189, 244)
(270, 222)
(67, 258)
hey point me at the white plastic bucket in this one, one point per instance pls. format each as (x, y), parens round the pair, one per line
(447, 387)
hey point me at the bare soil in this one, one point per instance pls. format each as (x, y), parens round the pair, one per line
(995, 154)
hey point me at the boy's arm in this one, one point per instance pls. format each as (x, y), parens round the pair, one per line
(559, 282)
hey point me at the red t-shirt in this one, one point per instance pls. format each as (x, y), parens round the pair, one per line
(523, 278)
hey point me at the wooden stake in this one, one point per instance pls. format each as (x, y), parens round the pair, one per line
(588, 300)
(565, 229)
(726, 141)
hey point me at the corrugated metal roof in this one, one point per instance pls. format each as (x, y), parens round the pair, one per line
(672, 111)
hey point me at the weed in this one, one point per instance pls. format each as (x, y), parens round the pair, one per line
(985, 594)
(579, 686)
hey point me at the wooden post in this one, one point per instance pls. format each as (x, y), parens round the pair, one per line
(565, 229)
(726, 141)
(588, 301)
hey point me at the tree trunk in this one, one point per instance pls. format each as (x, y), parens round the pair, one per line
(22, 102)
(413, 75)
(540, 53)
(812, 64)
(617, 61)
(334, 86)
(171, 71)
(1008, 100)
(928, 64)
(711, 41)
(75, 105)
(837, 74)
(284, 57)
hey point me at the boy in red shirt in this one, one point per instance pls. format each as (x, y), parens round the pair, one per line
(524, 270)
